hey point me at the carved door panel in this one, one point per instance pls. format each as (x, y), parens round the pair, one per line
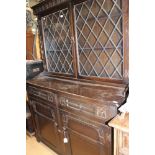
(46, 124)
(83, 137)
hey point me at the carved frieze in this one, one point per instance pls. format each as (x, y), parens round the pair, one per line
(45, 5)
(98, 111)
(49, 96)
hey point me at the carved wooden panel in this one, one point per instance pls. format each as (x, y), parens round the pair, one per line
(100, 111)
(43, 94)
(47, 5)
(46, 123)
(86, 137)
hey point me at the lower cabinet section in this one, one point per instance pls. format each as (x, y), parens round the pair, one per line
(68, 133)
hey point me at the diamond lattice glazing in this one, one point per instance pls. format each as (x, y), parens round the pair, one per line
(99, 37)
(57, 42)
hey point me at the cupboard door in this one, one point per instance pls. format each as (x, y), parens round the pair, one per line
(83, 137)
(46, 124)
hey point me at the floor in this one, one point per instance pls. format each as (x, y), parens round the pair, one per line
(35, 148)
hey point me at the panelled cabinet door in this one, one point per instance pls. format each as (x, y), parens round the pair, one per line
(82, 137)
(46, 124)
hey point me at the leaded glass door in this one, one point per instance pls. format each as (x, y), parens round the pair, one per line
(57, 42)
(99, 35)
(88, 39)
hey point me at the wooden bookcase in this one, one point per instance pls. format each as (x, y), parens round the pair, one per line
(84, 45)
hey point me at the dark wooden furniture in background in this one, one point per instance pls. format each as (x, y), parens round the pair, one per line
(29, 45)
(33, 68)
(121, 134)
(32, 52)
(85, 78)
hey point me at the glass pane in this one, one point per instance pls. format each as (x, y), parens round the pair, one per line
(57, 42)
(100, 39)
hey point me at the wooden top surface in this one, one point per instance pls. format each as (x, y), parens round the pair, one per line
(111, 94)
(120, 122)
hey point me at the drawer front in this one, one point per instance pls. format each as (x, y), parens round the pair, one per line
(43, 94)
(103, 112)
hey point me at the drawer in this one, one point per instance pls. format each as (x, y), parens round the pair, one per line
(100, 111)
(43, 94)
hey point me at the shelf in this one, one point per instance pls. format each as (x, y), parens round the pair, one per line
(103, 49)
(87, 49)
(63, 50)
(99, 17)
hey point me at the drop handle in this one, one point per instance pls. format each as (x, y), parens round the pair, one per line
(65, 140)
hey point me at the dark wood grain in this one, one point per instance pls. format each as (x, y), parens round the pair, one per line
(74, 46)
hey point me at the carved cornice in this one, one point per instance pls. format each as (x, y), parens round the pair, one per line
(46, 5)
